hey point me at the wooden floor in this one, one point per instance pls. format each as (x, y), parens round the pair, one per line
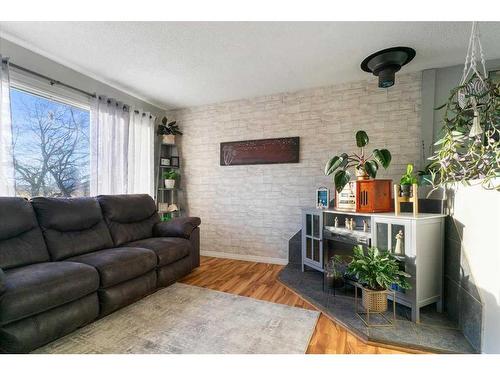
(259, 280)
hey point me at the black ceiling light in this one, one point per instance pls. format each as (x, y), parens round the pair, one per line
(386, 63)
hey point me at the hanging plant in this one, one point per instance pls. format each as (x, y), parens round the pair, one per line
(469, 147)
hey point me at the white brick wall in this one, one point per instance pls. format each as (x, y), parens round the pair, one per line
(254, 210)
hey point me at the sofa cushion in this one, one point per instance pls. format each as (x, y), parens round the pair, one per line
(21, 241)
(72, 226)
(30, 333)
(39, 287)
(168, 249)
(130, 217)
(119, 264)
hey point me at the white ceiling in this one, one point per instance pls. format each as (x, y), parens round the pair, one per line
(181, 64)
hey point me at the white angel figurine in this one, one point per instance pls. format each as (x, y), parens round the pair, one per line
(365, 226)
(398, 249)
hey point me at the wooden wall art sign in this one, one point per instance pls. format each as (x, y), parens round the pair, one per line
(260, 151)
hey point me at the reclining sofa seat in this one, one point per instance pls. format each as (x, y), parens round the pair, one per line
(40, 300)
(134, 222)
(63, 264)
(75, 231)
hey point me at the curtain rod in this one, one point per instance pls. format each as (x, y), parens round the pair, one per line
(53, 82)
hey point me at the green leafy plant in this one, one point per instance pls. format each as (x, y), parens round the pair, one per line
(426, 174)
(408, 178)
(170, 175)
(368, 165)
(376, 269)
(469, 147)
(168, 128)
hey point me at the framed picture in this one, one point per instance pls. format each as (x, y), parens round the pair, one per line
(260, 151)
(494, 75)
(165, 162)
(174, 161)
(322, 197)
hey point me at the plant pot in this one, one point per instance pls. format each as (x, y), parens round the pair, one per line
(168, 139)
(374, 300)
(405, 190)
(361, 174)
(169, 184)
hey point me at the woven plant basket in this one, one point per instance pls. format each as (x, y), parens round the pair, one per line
(374, 301)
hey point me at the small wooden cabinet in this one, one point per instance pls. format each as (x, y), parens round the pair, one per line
(365, 196)
(420, 251)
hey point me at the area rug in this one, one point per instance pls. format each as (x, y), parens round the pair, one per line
(189, 319)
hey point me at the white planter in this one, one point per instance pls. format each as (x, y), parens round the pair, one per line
(169, 184)
(168, 139)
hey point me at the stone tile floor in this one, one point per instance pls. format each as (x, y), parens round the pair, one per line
(435, 332)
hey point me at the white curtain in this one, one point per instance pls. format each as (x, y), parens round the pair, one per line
(109, 147)
(141, 153)
(7, 182)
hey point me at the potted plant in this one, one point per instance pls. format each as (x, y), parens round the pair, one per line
(168, 131)
(376, 271)
(170, 176)
(365, 166)
(407, 180)
(334, 271)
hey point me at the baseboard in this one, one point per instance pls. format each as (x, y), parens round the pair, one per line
(250, 258)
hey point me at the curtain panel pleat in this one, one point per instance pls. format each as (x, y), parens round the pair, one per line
(7, 172)
(109, 147)
(141, 153)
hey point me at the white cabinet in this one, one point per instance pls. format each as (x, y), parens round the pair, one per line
(420, 254)
(420, 249)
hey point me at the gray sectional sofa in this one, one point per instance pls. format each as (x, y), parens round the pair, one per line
(65, 262)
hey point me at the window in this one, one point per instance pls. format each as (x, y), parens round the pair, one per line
(51, 146)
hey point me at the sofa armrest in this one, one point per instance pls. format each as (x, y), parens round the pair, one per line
(2, 282)
(178, 227)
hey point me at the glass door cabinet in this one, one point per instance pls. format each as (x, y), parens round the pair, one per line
(312, 240)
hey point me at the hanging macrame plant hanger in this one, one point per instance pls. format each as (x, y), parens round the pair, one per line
(473, 80)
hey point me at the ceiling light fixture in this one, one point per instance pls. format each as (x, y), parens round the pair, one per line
(384, 64)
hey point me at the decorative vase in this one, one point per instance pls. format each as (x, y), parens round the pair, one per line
(168, 139)
(405, 190)
(169, 184)
(361, 174)
(374, 300)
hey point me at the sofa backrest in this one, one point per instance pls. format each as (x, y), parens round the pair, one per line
(21, 241)
(71, 226)
(130, 217)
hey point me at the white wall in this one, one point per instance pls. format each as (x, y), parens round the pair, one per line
(478, 210)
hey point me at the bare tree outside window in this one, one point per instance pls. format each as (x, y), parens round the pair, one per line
(51, 147)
